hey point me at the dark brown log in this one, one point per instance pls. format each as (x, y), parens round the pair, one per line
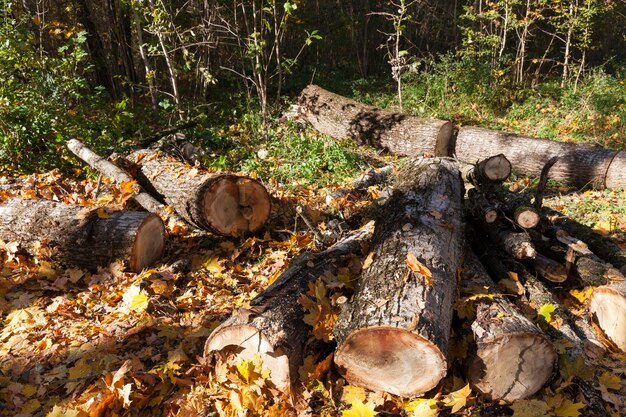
(517, 245)
(225, 204)
(400, 133)
(513, 359)
(516, 206)
(600, 245)
(109, 170)
(394, 334)
(479, 207)
(549, 269)
(579, 164)
(371, 177)
(273, 327)
(495, 169)
(78, 236)
(607, 307)
(543, 182)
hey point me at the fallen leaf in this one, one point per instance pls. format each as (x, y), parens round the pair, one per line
(352, 394)
(530, 408)
(422, 408)
(569, 409)
(417, 266)
(546, 311)
(359, 409)
(458, 399)
(610, 381)
(368, 260)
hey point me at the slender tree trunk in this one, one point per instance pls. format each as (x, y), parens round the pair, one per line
(144, 56)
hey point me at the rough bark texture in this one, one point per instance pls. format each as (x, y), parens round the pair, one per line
(109, 170)
(479, 207)
(400, 133)
(515, 206)
(518, 245)
(77, 236)
(224, 204)
(513, 359)
(374, 176)
(579, 165)
(273, 327)
(394, 334)
(607, 307)
(549, 268)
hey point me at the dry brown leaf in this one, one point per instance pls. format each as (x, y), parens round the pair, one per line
(417, 266)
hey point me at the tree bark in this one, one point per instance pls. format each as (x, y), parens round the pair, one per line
(394, 334)
(607, 307)
(495, 169)
(513, 359)
(273, 327)
(479, 207)
(400, 133)
(579, 164)
(108, 169)
(77, 236)
(517, 245)
(225, 204)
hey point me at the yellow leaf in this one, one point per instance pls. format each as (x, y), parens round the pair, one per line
(358, 409)
(569, 409)
(213, 265)
(368, 261)
(102, 214)
(58, 411)
(30, 407)
(135, 299)
(352, 394)
(610, 381)
(529, 408)
(80, 369)
(546, 311)
(417, 266)
(422, 408)
(457, 399)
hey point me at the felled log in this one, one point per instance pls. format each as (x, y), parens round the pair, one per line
(494, 169)
(607, 306)
(579, 164)
(515, 206)
(479, 207)
(110, 170)
(516, 244)
(82, 236)
(513, 359)
(400, 133)
(597, 243)
(225, 204)
(361, 183)
(549, 268)
(394, 334)
(273, 326)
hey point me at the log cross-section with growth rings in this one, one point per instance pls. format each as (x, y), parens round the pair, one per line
(394, 334)
(79, 236)
(225, 204)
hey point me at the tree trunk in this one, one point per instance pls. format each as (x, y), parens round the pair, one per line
(479, 207)
(225, 204)
(549, 269)
(109, 170)
(607, 307)
(394, 334)
(517, 245)
(400, 133)
(579, 164)
(78, 236)
(273, 327)
(513, 359)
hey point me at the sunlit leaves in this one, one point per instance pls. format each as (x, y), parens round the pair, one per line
(422, 408)
(546, 311)
(319, 313)
(458, 399)
(360, 409)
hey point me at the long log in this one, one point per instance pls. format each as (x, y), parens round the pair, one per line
(273, 327)
(607, 306)
(225, 204)
(400, 133)
(110, 170)
(579, 164)
(394, 334)
(513, 359)
(78, 236)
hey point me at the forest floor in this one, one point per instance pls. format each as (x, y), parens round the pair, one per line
(75, 343)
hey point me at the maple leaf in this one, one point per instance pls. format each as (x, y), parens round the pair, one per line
(422, 408)
(136, 299)
(530, 408)
(610, 381)
(545, 311)
(58, 411)
(458, 399)
(360, 409)
(352, 394)
(568, 409)
(417, 266)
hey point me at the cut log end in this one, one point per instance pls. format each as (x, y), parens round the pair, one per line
(246, 342)
(490, 216)
(497, 168)
(608, 310)
(513, 366)
(526, 217)
(234, 206)
(392, 360)
(149, 243)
